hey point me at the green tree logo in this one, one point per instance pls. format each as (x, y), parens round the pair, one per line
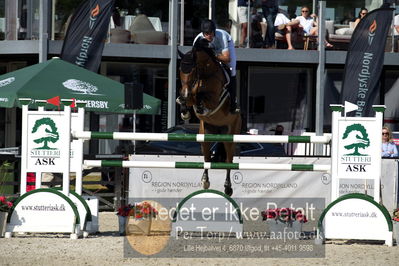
(359, 138)
(50, 133)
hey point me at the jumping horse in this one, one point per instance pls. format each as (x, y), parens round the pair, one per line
(203, 81)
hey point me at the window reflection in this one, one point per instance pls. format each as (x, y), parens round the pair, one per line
(155, 83)
(275, 99)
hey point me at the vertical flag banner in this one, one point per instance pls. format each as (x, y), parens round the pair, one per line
(364, 61)
(86, 34)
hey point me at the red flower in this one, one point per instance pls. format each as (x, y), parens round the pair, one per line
(284, 214)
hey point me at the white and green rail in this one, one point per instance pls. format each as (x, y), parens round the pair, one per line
(87, 135)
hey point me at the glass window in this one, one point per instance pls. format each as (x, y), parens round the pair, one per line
(63, 10)
(391, 114)
(279, 96)
(153, 77)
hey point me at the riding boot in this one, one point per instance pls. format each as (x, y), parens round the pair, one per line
(232, 90)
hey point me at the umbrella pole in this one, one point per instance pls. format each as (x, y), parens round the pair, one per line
(134, 130)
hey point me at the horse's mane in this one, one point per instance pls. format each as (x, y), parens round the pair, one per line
(203, 44)
(188, 61)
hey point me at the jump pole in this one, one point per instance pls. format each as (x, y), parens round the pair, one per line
(206, 165)
(87, 135)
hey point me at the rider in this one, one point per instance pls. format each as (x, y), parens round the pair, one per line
(223, 46)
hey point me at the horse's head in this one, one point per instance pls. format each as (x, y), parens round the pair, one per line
(187, 77)
(197, 68)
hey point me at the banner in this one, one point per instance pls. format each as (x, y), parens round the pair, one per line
(86, 34)
(364, 61)
(255, 184)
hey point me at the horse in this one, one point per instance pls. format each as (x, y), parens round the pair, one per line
(203, 83)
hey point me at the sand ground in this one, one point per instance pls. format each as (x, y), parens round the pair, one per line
(106, 248)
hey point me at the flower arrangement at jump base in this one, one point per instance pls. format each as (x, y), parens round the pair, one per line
(284, 215)
(5, 205)
(284, 220)
(395, 215)
(143, 210)
(124, 210)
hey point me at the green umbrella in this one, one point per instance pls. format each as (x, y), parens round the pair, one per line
(58, 78)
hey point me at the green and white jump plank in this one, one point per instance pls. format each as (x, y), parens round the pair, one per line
(202, 165)
(87, 135)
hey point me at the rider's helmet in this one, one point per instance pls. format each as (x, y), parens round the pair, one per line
(208, 26)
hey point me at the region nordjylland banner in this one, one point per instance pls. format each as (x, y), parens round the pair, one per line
(364, 61)
(86, 34)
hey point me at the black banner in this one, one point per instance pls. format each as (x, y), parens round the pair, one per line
(86, 34)
(364, 61)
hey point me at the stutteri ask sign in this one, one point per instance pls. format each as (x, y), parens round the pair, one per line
(46, 139)
(358, 151)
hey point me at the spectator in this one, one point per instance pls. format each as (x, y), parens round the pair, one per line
(363, 12)
(270, 10)
(308, 23)
(256, 38)
(279, 130)
(388, 146)
(243, 20)
(396, 25)
(282, 19)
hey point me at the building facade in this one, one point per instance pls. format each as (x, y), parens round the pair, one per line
(276, 86)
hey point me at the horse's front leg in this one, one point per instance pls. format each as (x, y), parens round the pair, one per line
(230, 148)
(205, 146)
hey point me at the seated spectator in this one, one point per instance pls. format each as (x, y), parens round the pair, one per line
(282, 19)
(307, 22)
(363, 12)
(256, 38)
(388, 146)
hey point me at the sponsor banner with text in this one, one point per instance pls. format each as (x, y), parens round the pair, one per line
(158, 182)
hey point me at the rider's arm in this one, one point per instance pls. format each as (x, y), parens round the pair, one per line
(224, 38)
(224, 56)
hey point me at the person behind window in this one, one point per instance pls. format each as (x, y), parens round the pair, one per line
(282, 19)
(307, 22)
(388, 146)
(396, 25)
(279, 130)
(223, 46)
(243, 20)
(270, 10)
(363, 12)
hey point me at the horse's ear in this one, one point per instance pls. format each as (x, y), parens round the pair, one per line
(180, 53)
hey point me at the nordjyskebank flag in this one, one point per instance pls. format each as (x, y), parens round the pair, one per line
(84, 40)
(364, 61)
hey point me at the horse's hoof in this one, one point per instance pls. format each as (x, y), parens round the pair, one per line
(185, 116)
(228, 191)
(180, 100)
(205, 184)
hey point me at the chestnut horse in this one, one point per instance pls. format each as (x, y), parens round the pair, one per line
(203, 88)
